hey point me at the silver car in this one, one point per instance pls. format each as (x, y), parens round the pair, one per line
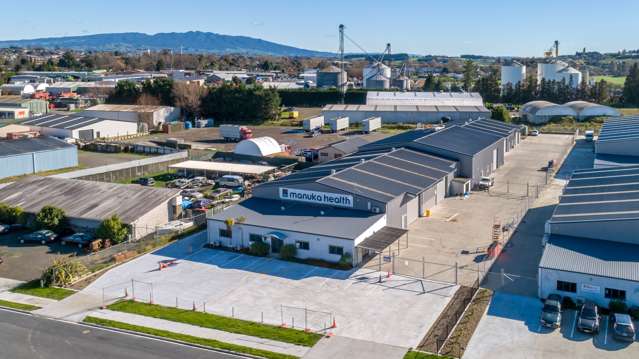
(622, 328)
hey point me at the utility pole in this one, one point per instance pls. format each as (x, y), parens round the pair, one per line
(342, 85)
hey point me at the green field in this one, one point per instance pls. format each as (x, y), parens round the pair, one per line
(615, 80)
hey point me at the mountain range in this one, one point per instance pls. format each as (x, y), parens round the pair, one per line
(190, 42)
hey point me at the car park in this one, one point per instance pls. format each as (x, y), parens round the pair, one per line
(551, 312)
(43, 236)
(588, 319)
(81, 239)
(622, 327)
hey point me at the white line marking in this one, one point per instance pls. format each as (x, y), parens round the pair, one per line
(574, 324)
(606, 332)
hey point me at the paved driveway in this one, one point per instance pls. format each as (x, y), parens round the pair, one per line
(398, 311)
(511, 330)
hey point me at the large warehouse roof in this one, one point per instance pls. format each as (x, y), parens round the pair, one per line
(622, 128)
(405, 108)
(591, 256)
(127, 108)
(223, 167)
(60, 121)
(260, 147)
(459, 140)
(28, 145)
(473, 99)
(600, 195)
(325, 221)
(491, 126)
(85, 199)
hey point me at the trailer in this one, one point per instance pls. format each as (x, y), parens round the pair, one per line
(235, 133)
(371, 124)
(313, 123)
(338, 124)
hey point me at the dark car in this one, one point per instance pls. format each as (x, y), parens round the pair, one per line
(43, 236)
(588, 320)
(147, 181)
(5, 228)
(622, 327)
(80, 239)
(551, 312)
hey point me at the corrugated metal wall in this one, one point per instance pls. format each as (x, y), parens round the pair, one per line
(29, 163)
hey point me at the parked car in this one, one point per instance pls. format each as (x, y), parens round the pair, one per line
(81, 239)
(230, 181)
(534, 133)
(190, 193)
(43, 236)
(588, 320)
(147, 181)
(486, 182)
(622, 328)
(551, 312)
(5, 228)
(180, 183)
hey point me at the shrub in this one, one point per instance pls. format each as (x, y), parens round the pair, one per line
(112, 229)
(288, 251)
(63, 272)
(11, 215)
(260, 249)
(500, 113)
(634, 312)
(568, 303)
(51, 218)
(346, 260)
(617, 306)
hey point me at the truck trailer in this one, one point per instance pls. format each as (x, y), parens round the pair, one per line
(338, 124)
(371, 124)
(313, 123)
(235, 133)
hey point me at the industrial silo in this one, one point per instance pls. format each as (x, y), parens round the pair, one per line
(512, 74)
(402, 83)
(375, 75)
(331, 76)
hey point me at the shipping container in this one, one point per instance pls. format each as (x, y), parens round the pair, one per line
(338, 124)
(313, 123)
(371, 124)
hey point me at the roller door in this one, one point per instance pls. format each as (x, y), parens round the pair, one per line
(441, 191)
(412, 210)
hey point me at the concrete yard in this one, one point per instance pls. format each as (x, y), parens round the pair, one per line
(397, 311)
(460, 230)
(87, 159)
(511, 330)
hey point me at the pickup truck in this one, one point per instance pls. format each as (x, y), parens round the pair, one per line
(485, 183)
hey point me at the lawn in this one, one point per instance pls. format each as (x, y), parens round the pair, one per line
(188, 338)
(615, 80)
(421, 355)
(218, 322)
(33, 288)
(19, 306)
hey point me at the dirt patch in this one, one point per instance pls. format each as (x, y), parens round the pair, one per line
(458, 340)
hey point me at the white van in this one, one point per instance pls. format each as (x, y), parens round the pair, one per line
(230, 181)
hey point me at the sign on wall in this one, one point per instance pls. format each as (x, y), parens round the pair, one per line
(589, 288)
(323, 198)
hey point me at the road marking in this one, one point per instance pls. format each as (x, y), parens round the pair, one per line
(574, 324)
(606, 332)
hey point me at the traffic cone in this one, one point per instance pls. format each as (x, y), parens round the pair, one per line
(334, 324)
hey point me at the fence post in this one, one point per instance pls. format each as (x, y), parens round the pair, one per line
(133, 288)
(262, 318)
(282, 314)
(423, 268)
(456, 273)
(305, 318)
(527, 189)
(507, 186)
(232, 312)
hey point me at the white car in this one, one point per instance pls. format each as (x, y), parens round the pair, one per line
(535, 133)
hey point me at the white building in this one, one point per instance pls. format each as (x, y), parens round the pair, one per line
(80, 127)
(559, 71)
(22, 89)
(258, 147)
(152, 116)
(512, 74)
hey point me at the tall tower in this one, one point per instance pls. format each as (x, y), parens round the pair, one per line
(342, 85)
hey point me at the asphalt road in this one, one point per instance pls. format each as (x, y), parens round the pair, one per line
(24, 336)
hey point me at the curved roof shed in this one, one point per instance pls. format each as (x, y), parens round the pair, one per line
(543, 111)
(586, 109)
(259, 147)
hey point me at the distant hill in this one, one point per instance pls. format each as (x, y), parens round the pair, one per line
(192, 41)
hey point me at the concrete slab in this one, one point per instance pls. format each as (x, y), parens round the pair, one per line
(397, 311)
(342, 347)
(8, 283)
(72, 308)
(511, 330)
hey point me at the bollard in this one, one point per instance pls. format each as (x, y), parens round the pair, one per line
(204, 307)
(232, 312)
(194, 306)
(176, 302)
(262, 318)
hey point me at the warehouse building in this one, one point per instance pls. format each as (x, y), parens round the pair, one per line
(80, 127)
(258, 147)
(88, 203)
(152, 116)
(32, 155)
(22, 89)
(13, 113)
(213, 169)
(591, 245)
(389, 98)
(35, 107)
(619, 136)
(341, 148)
(510, 133)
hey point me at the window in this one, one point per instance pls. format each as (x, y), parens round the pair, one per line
(615, 294)
(225, 233)
(255, 238)
(336, 250)
(324, 154)
(303, 245)
(338, 155)
(567, 286)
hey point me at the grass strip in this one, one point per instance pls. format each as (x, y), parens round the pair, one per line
(422, 355)
(213, 321)
(19, 306)
(33, 288)
(188, 338)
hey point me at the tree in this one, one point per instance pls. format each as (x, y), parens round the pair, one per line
(112, 229)
(63, 272)
(126, 92)
(68, 61)
(631, 86)
(188, 97)
(11, 215)
(52, 218)
(500, 113)
(470, 74)
(429, 83)
(148, 100)
(288, 251)
(162, 88)
(239, 103)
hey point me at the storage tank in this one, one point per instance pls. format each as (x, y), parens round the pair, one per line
(331, 76)
(377, 75)
(338, 124)
(512, 74)
(402, 83)
(312, 123)
(371, 124)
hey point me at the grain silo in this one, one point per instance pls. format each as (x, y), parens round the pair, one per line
(331, 76)
(402, 83)
(377, 76)
(512, 74)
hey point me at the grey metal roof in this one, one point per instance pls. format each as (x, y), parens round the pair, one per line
(491, 126)
(85, 199)
(28, 145)
(383, 238)
(459, 140)
(351, 144)
(301, 217)
(603, 160)
(398, 140)
(619, 128)
(593, 257)
(67, 122)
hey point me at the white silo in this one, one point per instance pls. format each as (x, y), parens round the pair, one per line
(376, 74)
(558, 71)
(512, 74)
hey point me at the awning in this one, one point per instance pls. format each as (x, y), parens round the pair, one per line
(278, 235)
(382, 239)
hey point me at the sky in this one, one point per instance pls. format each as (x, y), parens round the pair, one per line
(481, 27)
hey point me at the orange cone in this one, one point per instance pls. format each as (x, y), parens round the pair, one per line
(334, 324)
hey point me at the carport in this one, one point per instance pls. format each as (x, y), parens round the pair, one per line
(380, 240)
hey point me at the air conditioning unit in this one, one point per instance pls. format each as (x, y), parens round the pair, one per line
(375, 209)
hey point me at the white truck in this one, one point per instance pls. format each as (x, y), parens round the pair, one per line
(313, 123)
(338, 124)
(371, 124)
(235, 133)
